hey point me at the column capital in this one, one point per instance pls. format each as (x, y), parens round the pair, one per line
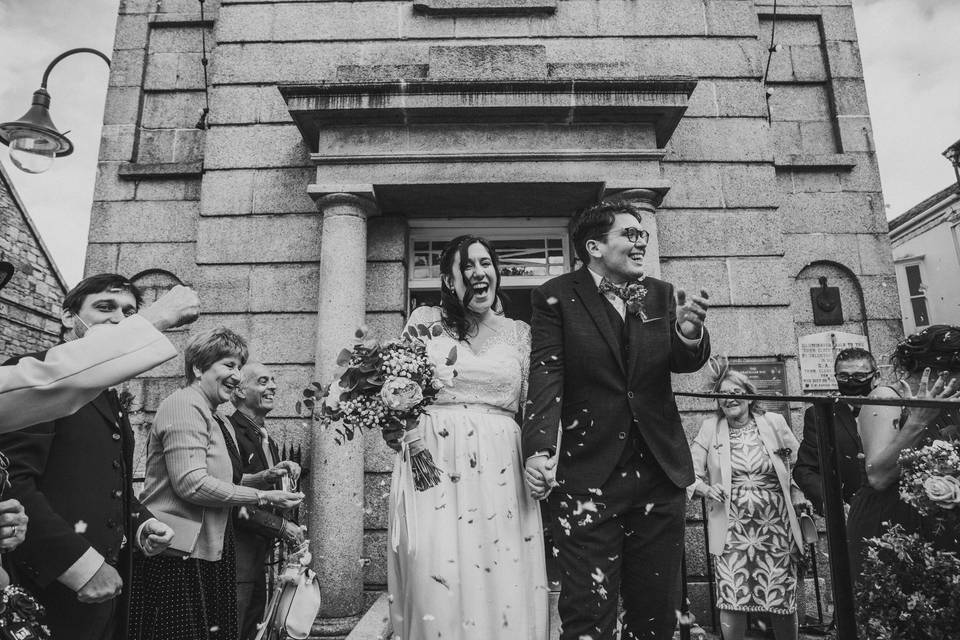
(345, 199)
(647, 200)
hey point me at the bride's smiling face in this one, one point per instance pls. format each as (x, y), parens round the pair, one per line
(478, 275)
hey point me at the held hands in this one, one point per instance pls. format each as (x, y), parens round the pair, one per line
(178, 306)
(155, 537)
(13, 525)
(104, 585)
(691, 313)
(540, 474)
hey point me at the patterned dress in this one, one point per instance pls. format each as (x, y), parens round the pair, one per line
(757, 570)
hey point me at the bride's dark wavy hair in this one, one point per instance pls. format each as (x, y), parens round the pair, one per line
(453, 310)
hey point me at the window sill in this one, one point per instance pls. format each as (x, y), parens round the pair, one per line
(484, 7)
(159, 170)
(841, 161)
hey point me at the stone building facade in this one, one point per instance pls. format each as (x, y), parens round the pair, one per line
(30, 303)
(345, 139)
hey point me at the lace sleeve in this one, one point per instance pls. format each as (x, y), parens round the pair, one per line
(523, 346)
(425, 316)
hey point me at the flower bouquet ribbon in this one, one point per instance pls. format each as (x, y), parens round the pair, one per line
(385, 386)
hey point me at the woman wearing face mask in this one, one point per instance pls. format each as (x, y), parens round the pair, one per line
(466, 557)
(886, 431)
(190, 590)
(742, 458)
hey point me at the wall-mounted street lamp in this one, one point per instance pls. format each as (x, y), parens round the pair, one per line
(34, 140)
(952, 154)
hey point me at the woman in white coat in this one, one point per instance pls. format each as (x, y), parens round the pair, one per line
(741, 458)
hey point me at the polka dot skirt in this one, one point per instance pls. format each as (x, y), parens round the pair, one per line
(177, 599)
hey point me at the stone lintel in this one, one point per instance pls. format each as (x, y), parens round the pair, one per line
(660, 101)
(484, 7)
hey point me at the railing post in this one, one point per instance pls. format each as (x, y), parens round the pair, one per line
(843, 600)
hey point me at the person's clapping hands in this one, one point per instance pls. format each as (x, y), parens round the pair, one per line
(13, 525)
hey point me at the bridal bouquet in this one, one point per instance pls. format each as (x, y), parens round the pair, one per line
(386, 386)
(930, 480)
(909, 588)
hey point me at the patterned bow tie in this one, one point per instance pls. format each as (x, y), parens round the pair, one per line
(619, 290)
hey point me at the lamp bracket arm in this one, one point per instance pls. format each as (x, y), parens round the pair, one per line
(53, 63)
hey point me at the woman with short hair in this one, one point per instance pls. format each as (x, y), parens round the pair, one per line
(189, 592)
(742, 459)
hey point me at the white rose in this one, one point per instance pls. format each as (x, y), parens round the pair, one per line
(401, 394)
(944, 490)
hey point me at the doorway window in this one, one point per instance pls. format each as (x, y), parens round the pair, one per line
(531, 251)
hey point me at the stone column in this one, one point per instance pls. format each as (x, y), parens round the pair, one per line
(336, 507)
(647, 201)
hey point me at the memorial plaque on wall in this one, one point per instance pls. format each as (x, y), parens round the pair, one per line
(770, 378)
(817, 353)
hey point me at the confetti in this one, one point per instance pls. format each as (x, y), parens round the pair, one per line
(80, 527)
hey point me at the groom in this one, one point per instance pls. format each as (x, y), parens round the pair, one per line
(605, 340)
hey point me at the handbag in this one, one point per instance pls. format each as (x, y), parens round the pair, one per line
(295, 603)
(808, 529)
(186, 532)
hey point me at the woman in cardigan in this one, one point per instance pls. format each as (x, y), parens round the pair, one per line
(741, 457)
(189, 592)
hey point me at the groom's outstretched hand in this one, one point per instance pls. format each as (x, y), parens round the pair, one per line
(540, 474)
(691, 313)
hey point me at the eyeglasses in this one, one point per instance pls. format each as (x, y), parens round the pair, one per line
(632, 234)
(855, 377)
(737, 391)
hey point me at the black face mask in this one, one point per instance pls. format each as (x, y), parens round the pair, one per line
(852, 388)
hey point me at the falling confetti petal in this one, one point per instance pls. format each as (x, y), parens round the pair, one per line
(80, 527)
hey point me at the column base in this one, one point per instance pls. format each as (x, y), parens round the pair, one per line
(333, 628)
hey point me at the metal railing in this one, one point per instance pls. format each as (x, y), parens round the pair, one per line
(844, 609)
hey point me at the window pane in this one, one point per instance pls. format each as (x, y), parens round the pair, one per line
(913, 280)
(920, 312)
(522, 256)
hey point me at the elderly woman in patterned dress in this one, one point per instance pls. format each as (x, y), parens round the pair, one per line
(741, 457)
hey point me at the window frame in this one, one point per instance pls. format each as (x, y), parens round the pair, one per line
(443, 229)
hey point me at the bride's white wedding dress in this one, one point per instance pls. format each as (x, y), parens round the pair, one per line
(465, 558)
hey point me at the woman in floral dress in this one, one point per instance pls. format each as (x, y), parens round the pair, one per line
(465, 558)
(741, 457)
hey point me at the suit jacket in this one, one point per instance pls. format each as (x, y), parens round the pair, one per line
(73, 373)
(807, 471)
(256, 528)
(580, 378)
(711, 461)
(76, 468)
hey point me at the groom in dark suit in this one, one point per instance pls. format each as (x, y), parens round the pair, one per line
(605, 340)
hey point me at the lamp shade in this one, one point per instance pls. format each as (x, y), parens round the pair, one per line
(34, 140)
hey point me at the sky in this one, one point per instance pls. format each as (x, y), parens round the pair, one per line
(910, 59)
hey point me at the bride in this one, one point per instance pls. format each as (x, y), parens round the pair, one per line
(466, 557)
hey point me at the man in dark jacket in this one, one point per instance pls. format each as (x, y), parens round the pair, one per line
(257, 528)
(605, 341)
(856, 372)
(73, 476)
